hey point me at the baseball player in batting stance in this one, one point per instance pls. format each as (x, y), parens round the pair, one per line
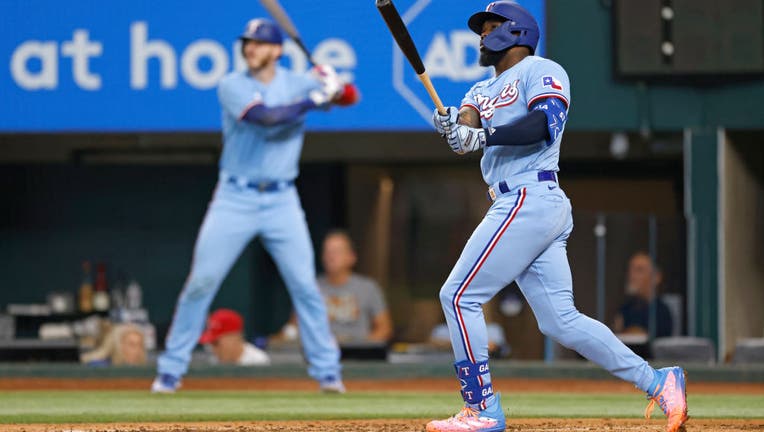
(517, 119)
(263, 111)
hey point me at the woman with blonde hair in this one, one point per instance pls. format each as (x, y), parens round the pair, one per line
(122, 345)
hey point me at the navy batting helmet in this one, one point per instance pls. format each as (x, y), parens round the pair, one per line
(262, 30)
(519, 28)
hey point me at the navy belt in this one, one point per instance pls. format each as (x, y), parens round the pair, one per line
(260, 186)
(503, 187)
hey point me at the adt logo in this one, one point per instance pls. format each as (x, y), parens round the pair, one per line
(450, 57)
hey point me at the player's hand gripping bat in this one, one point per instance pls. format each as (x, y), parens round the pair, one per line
(349, 94)
(277, 12)
(403, 39)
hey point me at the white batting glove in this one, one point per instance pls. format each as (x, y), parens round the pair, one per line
(331, 83)
(464, 139)
(321, 98)
(444, 123)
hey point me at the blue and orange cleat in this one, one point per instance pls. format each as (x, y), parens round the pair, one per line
(671, 394)
(472, 420)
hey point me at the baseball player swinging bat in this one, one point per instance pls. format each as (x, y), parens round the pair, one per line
(403, 39)
(279, 14)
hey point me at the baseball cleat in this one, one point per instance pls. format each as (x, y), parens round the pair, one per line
(331, 384)
(472, 420)
(165, 384)
(671, 395)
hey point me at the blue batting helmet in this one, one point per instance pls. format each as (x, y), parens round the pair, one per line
(262, 30)
(518, 28)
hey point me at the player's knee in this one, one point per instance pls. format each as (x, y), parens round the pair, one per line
(553, 328)
(446, 295)
(198, 288)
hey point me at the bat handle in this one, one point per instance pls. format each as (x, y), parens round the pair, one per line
(431, 91)
(304, 49)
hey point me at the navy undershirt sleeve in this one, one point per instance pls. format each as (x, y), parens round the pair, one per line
(270, 116)
(528, 129)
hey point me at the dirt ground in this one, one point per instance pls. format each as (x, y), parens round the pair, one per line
(415, 384)
(507, 385)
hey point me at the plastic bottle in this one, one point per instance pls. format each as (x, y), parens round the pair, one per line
(133, 295)
(85, 295)
(101, 294)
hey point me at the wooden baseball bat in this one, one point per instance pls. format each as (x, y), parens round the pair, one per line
(403, 39)
(279, 14)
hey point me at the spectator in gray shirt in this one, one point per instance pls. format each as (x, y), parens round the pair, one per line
(355, 304)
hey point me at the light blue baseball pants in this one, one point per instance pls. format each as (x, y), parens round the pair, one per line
(235, 216)
(523, 238)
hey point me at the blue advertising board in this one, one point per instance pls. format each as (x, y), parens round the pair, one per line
(143, 66)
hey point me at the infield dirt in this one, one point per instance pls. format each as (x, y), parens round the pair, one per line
(507, 385)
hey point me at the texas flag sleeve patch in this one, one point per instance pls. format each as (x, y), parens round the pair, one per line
(550, 81)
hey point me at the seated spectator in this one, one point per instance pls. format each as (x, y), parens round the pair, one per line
(497, 343)
(123, 344)
(225, 335)
(355, 305)
(642, 282)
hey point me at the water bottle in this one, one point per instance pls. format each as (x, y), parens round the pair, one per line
(133, 295)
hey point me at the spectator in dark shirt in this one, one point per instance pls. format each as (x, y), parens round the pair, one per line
(642, 282)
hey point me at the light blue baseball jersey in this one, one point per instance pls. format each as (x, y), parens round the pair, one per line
(503, 99)
(254, 151)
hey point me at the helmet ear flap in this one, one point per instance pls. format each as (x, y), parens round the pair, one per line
(501, 37)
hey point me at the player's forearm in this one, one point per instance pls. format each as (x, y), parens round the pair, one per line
(526, 130)
(468, 116)
(273, 115)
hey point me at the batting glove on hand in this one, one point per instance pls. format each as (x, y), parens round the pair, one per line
(464, 139)
(444, 123)
(331, 84)
(321, 98)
